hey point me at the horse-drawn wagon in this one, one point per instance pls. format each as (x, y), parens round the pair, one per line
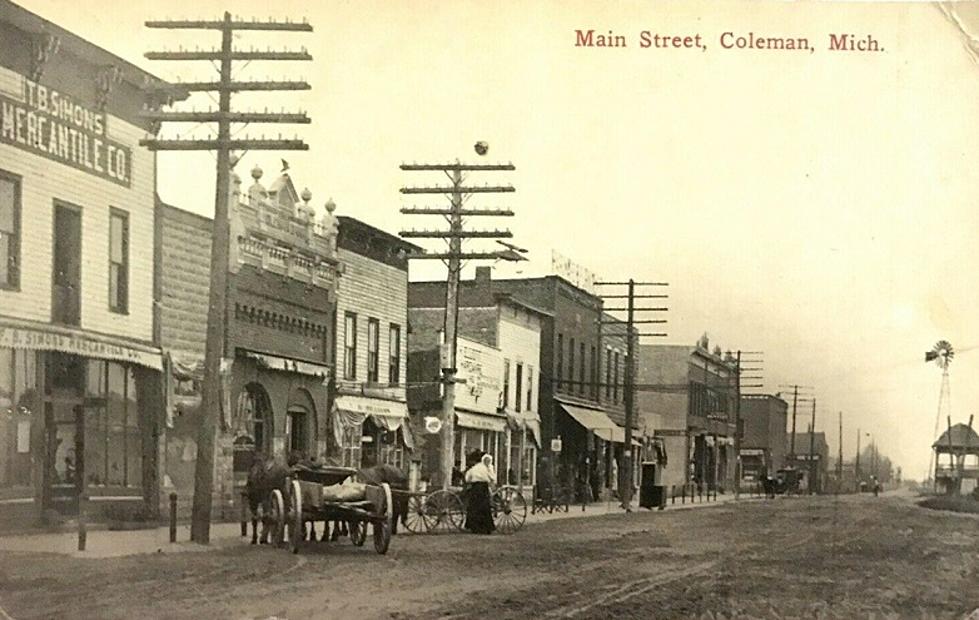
(331, 495)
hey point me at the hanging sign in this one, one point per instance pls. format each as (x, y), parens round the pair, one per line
(433, 425)
(55, 126)
(556, 445)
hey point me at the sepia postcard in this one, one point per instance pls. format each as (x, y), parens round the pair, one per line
(489, 309)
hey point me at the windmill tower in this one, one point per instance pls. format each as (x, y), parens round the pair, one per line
(942, 354)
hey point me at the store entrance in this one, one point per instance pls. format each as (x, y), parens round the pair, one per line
(64, 421)
(64, 424)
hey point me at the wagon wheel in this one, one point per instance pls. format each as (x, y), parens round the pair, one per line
(295, 520)
(416, 520)
(444, 510)
(382, 527)
(277, 518)
(358, 532)
(509, 509)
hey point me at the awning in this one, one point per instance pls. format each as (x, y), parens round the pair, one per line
(351, 411)
(15, 334)
(590, 418)
(480, 421)
(275, 362)
(525, 420)
(615, 435)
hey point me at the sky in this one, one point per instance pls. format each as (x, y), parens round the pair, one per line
(819, 207)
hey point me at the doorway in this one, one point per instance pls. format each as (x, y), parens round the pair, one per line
(64, 424)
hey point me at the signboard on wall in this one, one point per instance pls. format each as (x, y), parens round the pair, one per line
(480, 372)
(573, 272)
(55, 126)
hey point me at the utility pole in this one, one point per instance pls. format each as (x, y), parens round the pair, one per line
(795, 399)
(458, 193)
(812, 444)
(216, 340)
(856, 465)
(738, 431)
(839, 461)
(629, 392)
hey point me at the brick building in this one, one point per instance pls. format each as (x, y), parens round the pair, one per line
(279, 349)
(499, 357)
(811, 459)
(763, 445)
(575, 361)
(79, 366)
(691, 392)
(370, 414)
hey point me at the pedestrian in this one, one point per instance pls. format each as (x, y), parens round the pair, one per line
(479, 478)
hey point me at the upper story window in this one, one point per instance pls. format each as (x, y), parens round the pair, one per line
(9, 231)
(373, 343)
(394, 354)
(350, 346)
(516, 392)
(581, 369)
(66, 283)
(615, 377)
(118, 261)
(530, 388)
(608, 372)
(593, 376)
(506, 383)
(560, 361)
(571, 365)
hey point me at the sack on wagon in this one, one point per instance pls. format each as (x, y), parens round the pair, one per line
(346, 491)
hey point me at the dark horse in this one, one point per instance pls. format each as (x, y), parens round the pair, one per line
(264, 476)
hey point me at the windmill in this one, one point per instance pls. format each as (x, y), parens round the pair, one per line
(942, 354)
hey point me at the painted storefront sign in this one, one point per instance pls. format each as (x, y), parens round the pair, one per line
(53, 125)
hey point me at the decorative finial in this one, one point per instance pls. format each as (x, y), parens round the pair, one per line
(306, 195)
(256, 172)
(330, 206)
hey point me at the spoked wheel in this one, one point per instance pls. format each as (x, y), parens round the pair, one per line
(277, 516)
(382, 535)
(444, 510)
(295, 520)
(383, 527)
(358, 532)
(509, 509)
(416, 520)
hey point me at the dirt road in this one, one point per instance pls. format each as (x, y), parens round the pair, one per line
(847, 558)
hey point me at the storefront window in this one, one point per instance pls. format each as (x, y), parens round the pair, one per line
(528, 465)
(17, 377)
(351, 449)
(113, 448)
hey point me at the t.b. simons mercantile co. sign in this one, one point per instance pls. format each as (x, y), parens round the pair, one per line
(53, 125)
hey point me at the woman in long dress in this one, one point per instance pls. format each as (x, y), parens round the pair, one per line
(479, 477)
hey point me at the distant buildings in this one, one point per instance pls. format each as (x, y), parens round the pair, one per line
(763, 444)
(691, 391)
(811, 459)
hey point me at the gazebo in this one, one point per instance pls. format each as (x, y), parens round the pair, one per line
(958, 472)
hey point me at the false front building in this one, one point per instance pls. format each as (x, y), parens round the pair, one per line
(278, 354)
(79, 368)
(370, 413)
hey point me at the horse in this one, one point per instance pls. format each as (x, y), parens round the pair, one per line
(264, 476)
(398, 481)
